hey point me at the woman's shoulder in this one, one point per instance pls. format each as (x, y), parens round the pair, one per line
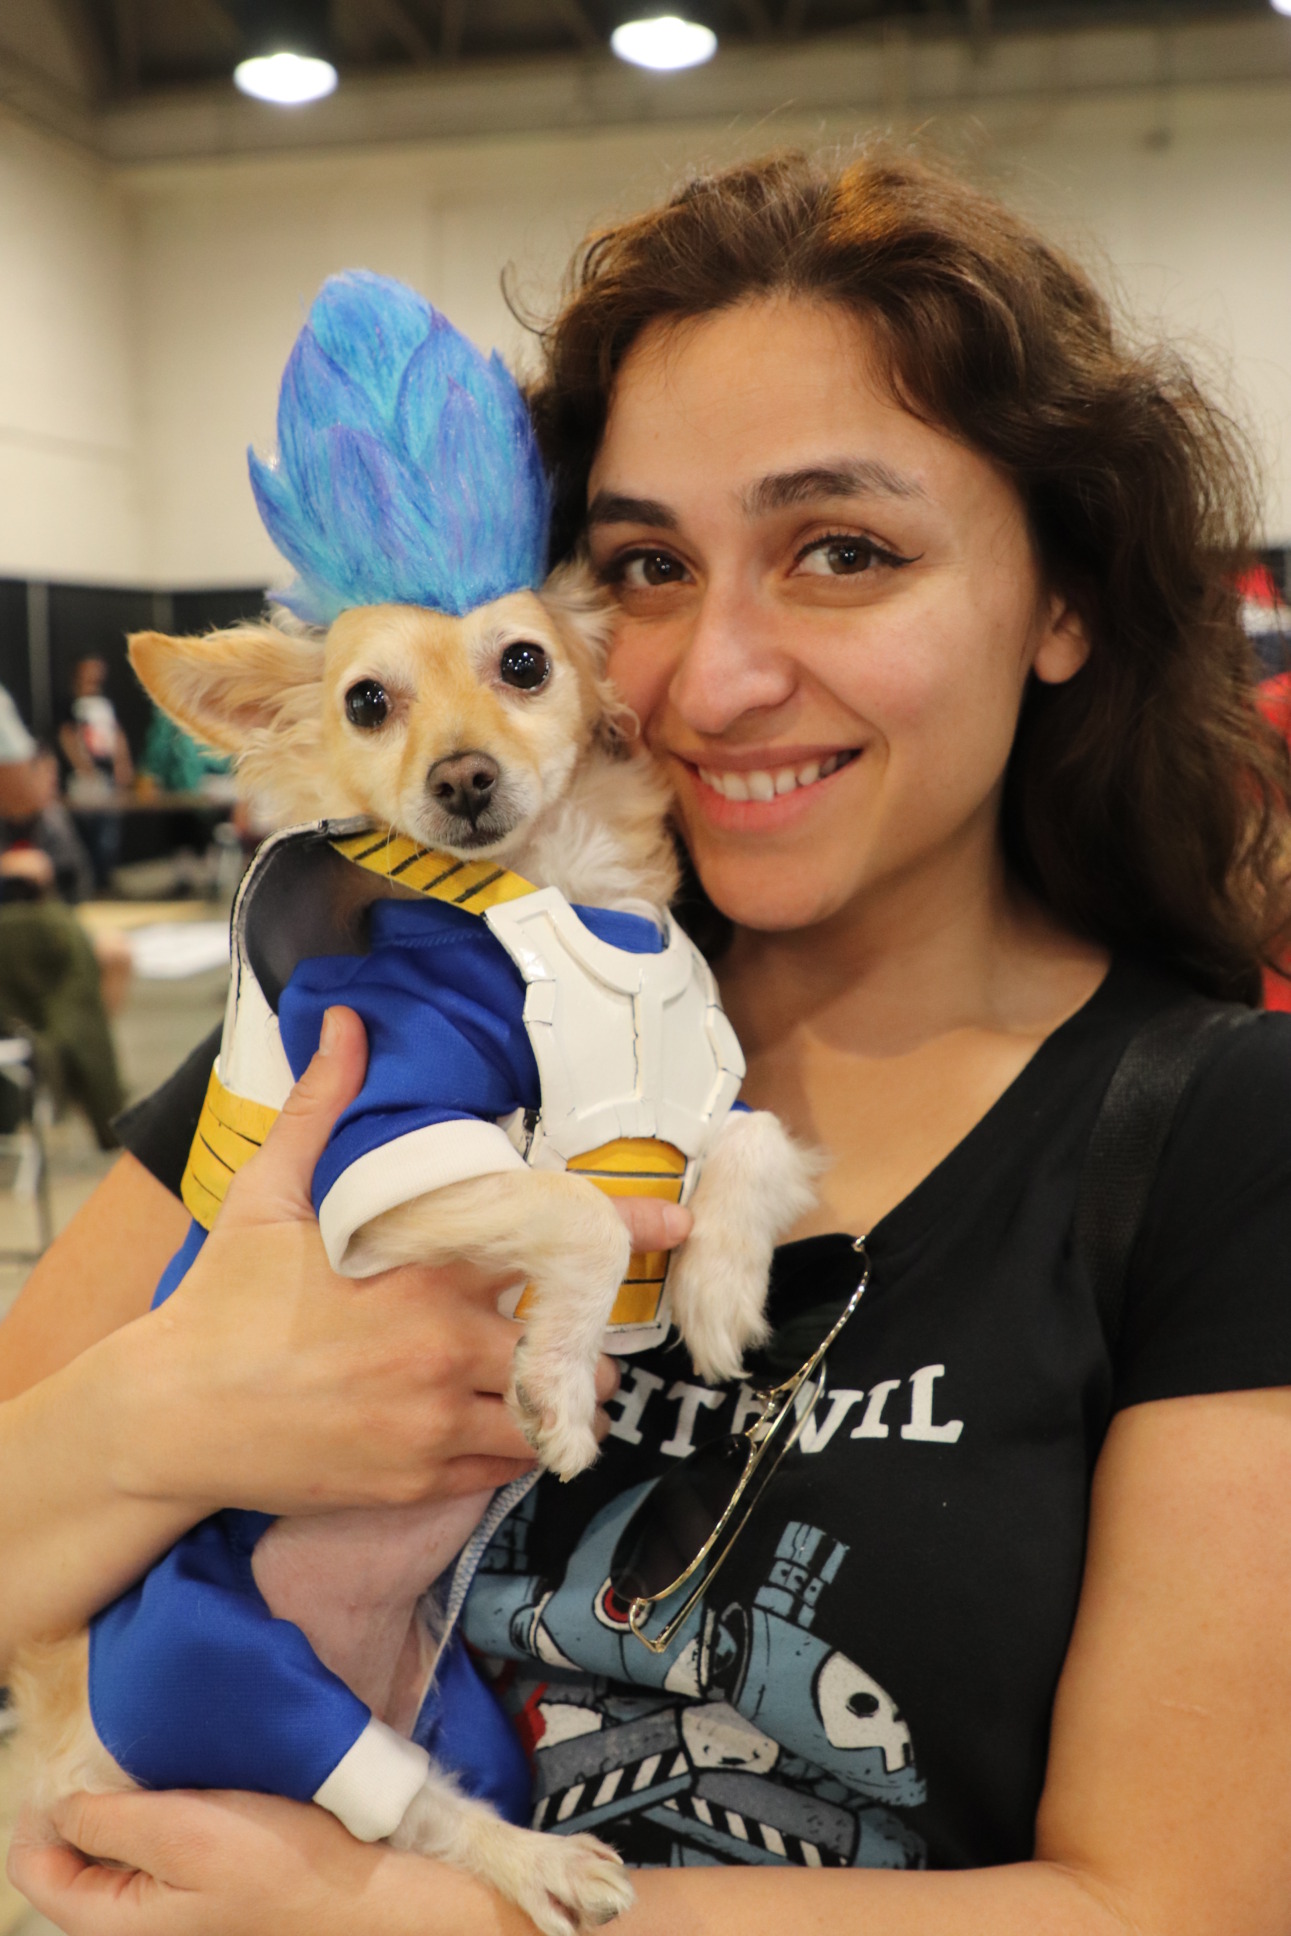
(1207, 1308)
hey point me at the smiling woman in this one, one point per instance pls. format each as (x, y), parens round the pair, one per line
(921, 597)
(1141, 802)
(867, 621)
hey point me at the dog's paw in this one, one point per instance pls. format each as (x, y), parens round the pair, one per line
(719, 1358)
(719, 1301)
(554, 1407)
(575, 1883)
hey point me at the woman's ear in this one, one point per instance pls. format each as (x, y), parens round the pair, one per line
(229, 686)
(1064, 644)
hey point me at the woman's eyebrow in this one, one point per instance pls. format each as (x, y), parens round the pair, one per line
(612, 507)
(850, 477)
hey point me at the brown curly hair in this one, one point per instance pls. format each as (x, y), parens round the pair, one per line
(1146, 800)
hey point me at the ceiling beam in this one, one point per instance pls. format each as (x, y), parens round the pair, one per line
(979, 27)
(574, 15)
(92, 51)
(452, 20)
(757, 17)
(400, 24)
(224, 20)
(129, 49)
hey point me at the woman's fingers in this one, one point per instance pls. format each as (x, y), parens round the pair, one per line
(66, 1878)
(208, 1864)
(276, 1182)
(652, 1224)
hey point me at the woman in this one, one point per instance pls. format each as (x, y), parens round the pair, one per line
(921, 604)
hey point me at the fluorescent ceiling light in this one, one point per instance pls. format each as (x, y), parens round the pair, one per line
(284, 78)
(666, 43)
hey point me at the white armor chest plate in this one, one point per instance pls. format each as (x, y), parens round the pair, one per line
(626, 1044)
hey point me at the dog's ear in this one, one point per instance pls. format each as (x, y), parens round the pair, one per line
(229, 687)
(584, 611)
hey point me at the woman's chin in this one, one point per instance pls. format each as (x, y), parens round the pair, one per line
(768, 897)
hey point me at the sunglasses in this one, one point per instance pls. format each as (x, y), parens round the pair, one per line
(698, 1509)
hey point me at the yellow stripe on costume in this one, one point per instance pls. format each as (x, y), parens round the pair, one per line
(631, 1166)
(475, 885)
(230, 1129)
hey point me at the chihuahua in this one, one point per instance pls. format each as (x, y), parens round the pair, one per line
(490, 737)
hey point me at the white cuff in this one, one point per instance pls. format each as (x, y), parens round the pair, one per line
(410, 1166)
(371, 1786)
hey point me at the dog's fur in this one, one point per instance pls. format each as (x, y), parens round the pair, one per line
(571, 808)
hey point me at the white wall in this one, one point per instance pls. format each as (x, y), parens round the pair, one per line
(69, 498)
(145, 314)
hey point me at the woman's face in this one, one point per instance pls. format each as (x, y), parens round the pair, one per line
(828, 612)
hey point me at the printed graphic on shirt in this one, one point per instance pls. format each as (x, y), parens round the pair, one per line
(876, 1413)
(751, 1740)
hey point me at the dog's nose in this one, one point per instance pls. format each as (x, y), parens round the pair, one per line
(463, 783)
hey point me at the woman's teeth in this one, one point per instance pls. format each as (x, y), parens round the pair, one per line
(766, 785)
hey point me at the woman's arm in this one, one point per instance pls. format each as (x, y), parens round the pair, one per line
(99, 1274)
(264, 1381)
(1167, 1810)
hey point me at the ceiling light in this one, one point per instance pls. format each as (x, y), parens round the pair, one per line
(1282, 6)
(666, 43)
(285, 78)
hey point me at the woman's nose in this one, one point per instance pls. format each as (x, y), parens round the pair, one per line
(732, 662)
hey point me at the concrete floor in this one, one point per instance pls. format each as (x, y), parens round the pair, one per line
(161, 1022)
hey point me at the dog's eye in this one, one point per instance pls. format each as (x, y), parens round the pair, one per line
(525, 666)
(366, 704)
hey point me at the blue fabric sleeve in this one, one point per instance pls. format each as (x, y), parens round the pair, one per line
(444, 1010)
(194, 1684)
(462, 1727)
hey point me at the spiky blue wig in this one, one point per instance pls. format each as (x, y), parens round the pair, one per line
(407, 471)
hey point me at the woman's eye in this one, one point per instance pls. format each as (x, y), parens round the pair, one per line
(525, 666)
(649, 568)
(840, 557)
(366, 705)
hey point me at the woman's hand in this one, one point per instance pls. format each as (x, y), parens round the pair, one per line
(264, 1381)
(269, 1382)
(216, 1864)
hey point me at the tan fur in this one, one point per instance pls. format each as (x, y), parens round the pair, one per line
(56, 1748)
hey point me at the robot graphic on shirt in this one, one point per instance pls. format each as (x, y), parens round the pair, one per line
(750, 1739)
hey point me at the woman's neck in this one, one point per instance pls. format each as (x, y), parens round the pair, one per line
(954, 947)
(881, 1036)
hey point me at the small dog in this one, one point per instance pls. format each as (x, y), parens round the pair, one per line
(489, 736)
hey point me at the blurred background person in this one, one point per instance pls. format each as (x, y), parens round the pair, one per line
(52, 981)
(99, 765)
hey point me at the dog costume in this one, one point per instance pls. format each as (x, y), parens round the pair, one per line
(506, 1027)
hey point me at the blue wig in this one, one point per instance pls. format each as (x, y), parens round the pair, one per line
(407, 471)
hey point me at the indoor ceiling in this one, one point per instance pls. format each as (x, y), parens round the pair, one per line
(132, 50)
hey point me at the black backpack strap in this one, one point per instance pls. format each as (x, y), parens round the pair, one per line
(1133, 1125)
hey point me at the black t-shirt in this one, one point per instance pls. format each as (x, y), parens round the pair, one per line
(870, 1677)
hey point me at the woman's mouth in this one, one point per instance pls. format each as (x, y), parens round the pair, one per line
(770, 783)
